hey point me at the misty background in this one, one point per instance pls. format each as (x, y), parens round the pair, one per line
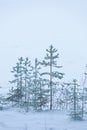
(28, 27)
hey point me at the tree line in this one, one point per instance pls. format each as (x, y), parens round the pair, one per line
(39, 86)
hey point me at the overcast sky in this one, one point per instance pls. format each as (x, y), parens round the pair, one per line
(28, 27)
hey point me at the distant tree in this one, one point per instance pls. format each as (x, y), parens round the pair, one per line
(27, 75)
(63, 98)
(21, 69)
(84, 94)
(66, 92)
(51, 61)
(76, 108)
(43, 96)
(39, 97)
(15, 92)
(20, 84)
(36, 83)
(2, 100)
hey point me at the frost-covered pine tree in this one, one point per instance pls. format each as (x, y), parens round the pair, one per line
(63, 98)
(84, 94)
(21, 60)
(15, 92)
(27, 74)
(20, 91)
(36, 84)
(76, 106)
(66, 92)
(50, 61)
(39, 97)
(43, 96)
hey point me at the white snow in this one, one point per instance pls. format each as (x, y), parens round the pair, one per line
(47, 120)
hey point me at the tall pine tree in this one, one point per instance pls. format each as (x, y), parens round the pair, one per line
(50, 61)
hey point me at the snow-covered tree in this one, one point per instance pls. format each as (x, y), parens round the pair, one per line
(63, 98)
(84, 94)
(19, 92)
(50, 61)
(15, 92)
(76, 106)
(27, 75)
(39, 97)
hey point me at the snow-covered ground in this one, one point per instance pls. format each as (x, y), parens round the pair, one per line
(46, 120)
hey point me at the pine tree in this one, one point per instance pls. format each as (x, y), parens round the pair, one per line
(76, 108)
(43, 96)
(36, 83)
(2, 100)
(18, 82)
(21, 60)
(15, 93)
(27, 72)
(51, 61)
(39, 97)
(84, 94)
(67, 94)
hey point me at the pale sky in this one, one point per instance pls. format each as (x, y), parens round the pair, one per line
(28, 27)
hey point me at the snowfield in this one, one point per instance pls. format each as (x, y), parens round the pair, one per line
(47, 120)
